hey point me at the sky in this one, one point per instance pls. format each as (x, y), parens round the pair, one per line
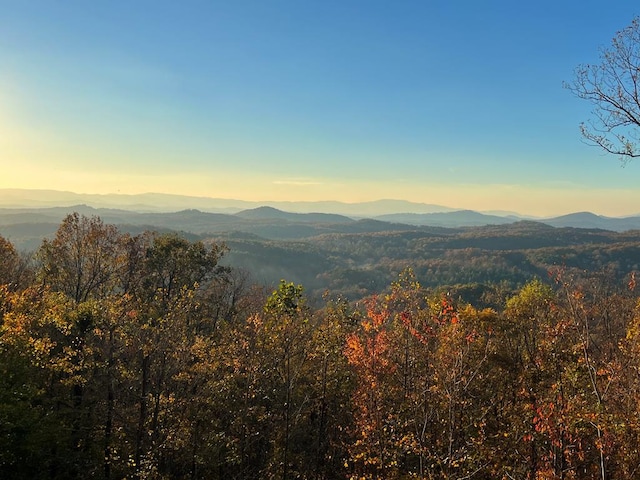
(456, 103)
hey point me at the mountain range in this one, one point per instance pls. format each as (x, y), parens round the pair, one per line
(160, 202)
(25, 221)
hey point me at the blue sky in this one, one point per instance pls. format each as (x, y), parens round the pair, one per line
(457, 103)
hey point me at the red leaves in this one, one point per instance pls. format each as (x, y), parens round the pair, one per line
(447, 313)
(406, 318)
(366, 349)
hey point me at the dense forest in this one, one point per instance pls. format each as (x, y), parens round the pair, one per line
(358, 258)
(363, 264)
(147, 356)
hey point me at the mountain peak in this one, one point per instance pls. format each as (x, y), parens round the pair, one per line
(262, 213)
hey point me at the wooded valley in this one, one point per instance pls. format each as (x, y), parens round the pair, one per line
(495, 352)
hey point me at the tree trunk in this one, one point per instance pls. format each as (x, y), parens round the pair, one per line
(142, 414)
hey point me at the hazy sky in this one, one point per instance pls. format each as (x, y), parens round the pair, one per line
(458, 103)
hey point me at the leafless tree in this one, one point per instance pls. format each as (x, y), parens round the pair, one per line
(611, 86)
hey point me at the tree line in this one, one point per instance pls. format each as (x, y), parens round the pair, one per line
(140, 356)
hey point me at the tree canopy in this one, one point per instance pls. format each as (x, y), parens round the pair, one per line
(141, 357)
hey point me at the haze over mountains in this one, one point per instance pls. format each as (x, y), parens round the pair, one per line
(354, 254)
(26, 216)
(386, 209)
(160, 202)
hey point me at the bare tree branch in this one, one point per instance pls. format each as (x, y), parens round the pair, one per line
(612, 88)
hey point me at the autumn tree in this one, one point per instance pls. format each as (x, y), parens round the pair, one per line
(137, 324)
(413, 342)
(330, 414)
(47, 425)
(164, 318)
(8, 261)
(269, 368)
(173, 262)
(82, 259)
(14, 267)
(628, 398)
(374, 454)
(612, 87)
(533, 392)
(600, 314)
(420, 401)
(288, 329)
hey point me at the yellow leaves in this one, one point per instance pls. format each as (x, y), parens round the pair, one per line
(577, 295)
(255, 322)
(367, 326)
(354, 349)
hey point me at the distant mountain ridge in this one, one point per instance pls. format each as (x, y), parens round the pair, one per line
(385, 209)
(270, 213)
(591, 220)
(27, 226)
(160, 202)
(459, 218)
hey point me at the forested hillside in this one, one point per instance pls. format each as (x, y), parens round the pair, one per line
(362, 257)
(152, 356)
(357, 265)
